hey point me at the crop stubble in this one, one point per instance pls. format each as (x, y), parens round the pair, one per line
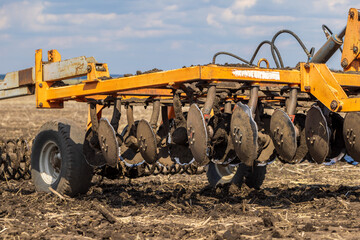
(296, 201)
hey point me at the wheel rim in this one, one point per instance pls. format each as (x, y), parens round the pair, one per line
(50, 162)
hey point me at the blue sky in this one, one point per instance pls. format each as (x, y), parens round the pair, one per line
(133, 35)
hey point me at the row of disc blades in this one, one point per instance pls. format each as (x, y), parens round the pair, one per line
(315, 135)
(325, 135)
(14, 159)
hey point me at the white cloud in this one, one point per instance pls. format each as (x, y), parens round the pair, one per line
(176, 45)
(171, 8)
(3, 19)
(332, 5)
(73, 29)
(210, 19)
(236, 15)
(241, 5)
(158, 27)
(69, 41)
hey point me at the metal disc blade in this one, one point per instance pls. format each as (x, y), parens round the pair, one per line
(337, 143)
(267, 148)
(351, 132)
(108, 142)
(244, 134)
(181, 154)
(130, 154)
(147, 141)
(197, 135)
(317, 134)
(282, 132)
(302, 149)
(93, 156)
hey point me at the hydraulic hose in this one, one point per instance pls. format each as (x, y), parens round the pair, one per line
(298, 40)
(258, 48)
(232, 55)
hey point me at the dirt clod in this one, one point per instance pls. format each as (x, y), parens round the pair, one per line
(302, 201)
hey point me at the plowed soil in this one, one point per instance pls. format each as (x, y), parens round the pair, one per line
(304, 201)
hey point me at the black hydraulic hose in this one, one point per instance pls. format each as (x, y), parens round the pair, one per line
(326, 28)
(273, 46)
(229, 54)
(258, 48)
(274, 50)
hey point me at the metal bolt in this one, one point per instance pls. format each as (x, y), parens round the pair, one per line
(307, 88)
(40, 85)
(307, 66)
(333, 105)
(344, 63)
(355, 49)
(40, 104)
(351, 14)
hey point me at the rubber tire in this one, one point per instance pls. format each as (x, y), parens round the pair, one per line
(75, 174)
(218, 174)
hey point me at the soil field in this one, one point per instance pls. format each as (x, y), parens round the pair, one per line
(305, 201)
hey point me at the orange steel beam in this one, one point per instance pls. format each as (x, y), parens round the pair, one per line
(318, 80)
(350, 59)
(170, 78)
(315, 79)
(147, 92)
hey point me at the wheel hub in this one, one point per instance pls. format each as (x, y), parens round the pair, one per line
(50, 162)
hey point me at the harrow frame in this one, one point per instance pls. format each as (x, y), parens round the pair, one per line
(334, 92)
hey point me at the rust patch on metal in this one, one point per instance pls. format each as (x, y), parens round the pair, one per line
(26, 77)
